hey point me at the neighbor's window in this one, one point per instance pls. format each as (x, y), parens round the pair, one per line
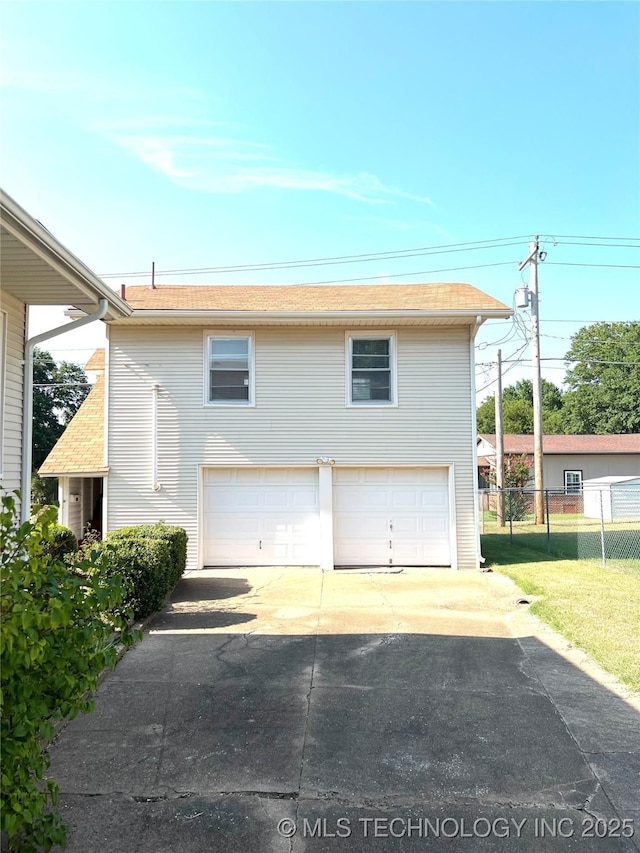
(229, 373)
(572, 482)
(371, 370)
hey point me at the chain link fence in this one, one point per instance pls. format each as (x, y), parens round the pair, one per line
(595, 524)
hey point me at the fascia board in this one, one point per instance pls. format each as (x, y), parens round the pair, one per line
(291, 317)
(33, 235)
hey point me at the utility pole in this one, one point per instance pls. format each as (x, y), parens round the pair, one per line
(499, 445)
(532, 260)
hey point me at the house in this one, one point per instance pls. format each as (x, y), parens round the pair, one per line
(299, 425)
(36, 270)
(78, 458)
(568, 460)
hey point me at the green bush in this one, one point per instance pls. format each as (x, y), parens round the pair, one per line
(56, 636)
(175, 538)
(63, 541)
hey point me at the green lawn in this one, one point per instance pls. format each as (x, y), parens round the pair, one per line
(597, 609)
(573, 537)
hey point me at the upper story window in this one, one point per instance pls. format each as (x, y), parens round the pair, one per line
(371, 369)
(229, 369)
(572, 482)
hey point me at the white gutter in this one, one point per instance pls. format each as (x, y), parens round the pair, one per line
(27, 407)
(474, 433)
(466, 316)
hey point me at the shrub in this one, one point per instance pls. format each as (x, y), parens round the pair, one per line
(63, 541)
(56, 636)
(175, 538)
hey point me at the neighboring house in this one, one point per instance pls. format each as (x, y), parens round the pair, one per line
(568, 460)
(35, 269)
(78, 458)
(297, 425)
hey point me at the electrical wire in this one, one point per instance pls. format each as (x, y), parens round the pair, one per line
(335, 259)
(609, 266)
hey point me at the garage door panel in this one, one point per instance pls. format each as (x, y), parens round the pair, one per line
(392, 515)
(260, 516)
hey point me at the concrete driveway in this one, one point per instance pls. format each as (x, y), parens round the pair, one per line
(291, 710)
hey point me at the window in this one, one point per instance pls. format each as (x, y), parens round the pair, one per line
(572, 482)
(371, 370)
(229, 370)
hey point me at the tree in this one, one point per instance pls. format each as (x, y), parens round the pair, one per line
(603, 380)
(517, 409)
(58, 392)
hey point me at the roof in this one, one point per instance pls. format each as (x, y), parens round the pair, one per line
(554, 444)
(38, 270)
(96, 362)
(80, 448)
(293, 297)
(441, 297)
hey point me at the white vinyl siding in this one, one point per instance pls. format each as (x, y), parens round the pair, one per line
(13, 381)
(299, 416)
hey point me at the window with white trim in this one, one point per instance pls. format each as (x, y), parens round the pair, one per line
(229, 370)
(371, 370)
(572, 482)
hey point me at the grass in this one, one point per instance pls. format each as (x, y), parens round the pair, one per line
(597, 609)
(574, 537)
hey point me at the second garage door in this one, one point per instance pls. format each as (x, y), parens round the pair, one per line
(260, 516)
(391, 516)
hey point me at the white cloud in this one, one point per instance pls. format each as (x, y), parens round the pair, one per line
(171, 129)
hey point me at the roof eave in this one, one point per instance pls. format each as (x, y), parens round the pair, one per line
(466, 316)
(43, 244)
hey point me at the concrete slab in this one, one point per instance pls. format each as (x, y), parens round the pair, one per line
(264, 696)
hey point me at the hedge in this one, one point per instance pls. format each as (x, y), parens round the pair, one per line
(58, 622)
(151, 559)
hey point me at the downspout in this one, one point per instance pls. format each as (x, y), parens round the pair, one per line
(155, 485)
(27, 407)
(474, 428)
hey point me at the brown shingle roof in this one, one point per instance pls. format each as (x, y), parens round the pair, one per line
(571, 443)
(80, 448)
(368, 297)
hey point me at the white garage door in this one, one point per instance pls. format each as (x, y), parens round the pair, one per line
(260, 516)
(391, 516)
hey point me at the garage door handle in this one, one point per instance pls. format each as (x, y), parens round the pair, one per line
(260, 544)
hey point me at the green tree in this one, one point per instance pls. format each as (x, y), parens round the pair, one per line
(58, 392)
(603, 380)
(517, 409)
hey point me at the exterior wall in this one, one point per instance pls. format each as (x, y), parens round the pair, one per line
(300, 414)
(11, 460)
(591, 465)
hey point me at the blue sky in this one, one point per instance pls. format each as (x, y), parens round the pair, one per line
(210, 133)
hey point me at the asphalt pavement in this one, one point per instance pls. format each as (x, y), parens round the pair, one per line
(293, 710)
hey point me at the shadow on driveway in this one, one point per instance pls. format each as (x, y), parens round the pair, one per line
(226, 727)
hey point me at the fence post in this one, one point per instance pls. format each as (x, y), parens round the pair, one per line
(546, 507)
(602, 548)
(510, 519)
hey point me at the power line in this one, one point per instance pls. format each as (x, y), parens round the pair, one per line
(409, 274)
(336, 259)
(610, 266)
(584, 237)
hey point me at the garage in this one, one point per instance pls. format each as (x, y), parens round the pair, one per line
(260, 516)
(391, 516)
